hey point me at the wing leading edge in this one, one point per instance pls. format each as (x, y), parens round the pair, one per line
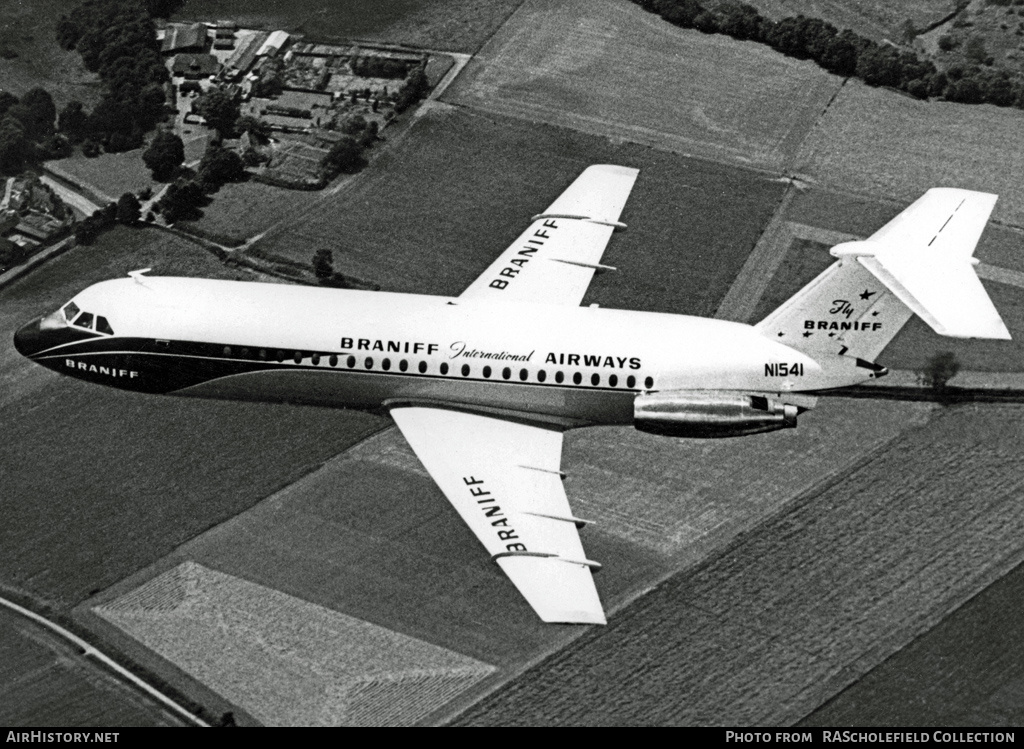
(554, 260)
(504, 479)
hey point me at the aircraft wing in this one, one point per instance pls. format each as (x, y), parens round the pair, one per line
(553, 261)
(504, 479)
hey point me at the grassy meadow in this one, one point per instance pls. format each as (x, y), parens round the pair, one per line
(434, 211)
(612, 69)
(452, 25)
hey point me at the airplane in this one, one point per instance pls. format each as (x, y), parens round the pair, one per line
(484, 385)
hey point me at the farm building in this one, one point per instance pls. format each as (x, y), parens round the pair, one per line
(184, 38)
(242, 60)
(193, 67)
(274, 43)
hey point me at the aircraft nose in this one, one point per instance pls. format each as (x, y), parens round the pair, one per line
(35, 336)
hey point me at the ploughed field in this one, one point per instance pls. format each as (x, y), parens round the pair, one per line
(805, 604)
(609, 68)
(964, 672)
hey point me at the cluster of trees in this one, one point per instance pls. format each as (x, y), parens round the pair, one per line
(189, 193)
(27, 134)
(379, 67)
(323, 269)
(346, 155)
(125, 211)
(845, 52)
(117, 40)
(415, 88)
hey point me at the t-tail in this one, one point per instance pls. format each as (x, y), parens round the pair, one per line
(920, 262)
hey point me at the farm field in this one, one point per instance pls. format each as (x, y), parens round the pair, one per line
(802, 606)
(875, 19)
(880, 143)
(111, 174)
(453, 25)
(45, 682)
(131, 476)
(612, 69)
(27, 30)
(433, 213)
(326, 668)
(964, 672)
(338, 538)
(241, 210)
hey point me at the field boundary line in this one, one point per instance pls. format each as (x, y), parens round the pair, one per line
(91, 651)
(757, 272)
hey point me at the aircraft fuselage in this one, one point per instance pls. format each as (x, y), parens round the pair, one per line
(358, 349)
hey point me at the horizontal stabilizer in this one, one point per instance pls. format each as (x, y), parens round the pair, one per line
(944, 291)
(924, 256)
(941, 287)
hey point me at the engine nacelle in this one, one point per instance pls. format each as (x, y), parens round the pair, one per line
(711, 413)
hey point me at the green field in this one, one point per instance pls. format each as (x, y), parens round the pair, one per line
(99, 483)
(242, 210)
(609, 68)
(453, 25)
(27, 29)
(111, 174)
(880, 143)
(433, 212)
(45, 681)
(805, 604)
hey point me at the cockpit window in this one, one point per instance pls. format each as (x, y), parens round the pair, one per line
(84, 320)
(70, 310)
(103, 326)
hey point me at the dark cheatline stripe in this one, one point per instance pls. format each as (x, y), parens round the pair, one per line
(141, 364)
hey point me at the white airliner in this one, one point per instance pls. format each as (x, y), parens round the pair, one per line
(484, 385)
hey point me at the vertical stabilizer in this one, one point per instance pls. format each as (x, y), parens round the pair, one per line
(845, 311)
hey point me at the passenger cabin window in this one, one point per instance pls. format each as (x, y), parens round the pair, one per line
(422, 367)
(70, 310)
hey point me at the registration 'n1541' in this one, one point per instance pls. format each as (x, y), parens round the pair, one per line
(784, 370)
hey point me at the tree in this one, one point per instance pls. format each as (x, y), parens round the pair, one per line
(165, 154)
(219, 165)
(344, 156)
(44, 112)
(128, 209)
(939, 370)
(323, 265)
(72, 121)
(14, 148)
(974, 50)
(259, 130)
(7, 100)
(220, 109)
(183, 200)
